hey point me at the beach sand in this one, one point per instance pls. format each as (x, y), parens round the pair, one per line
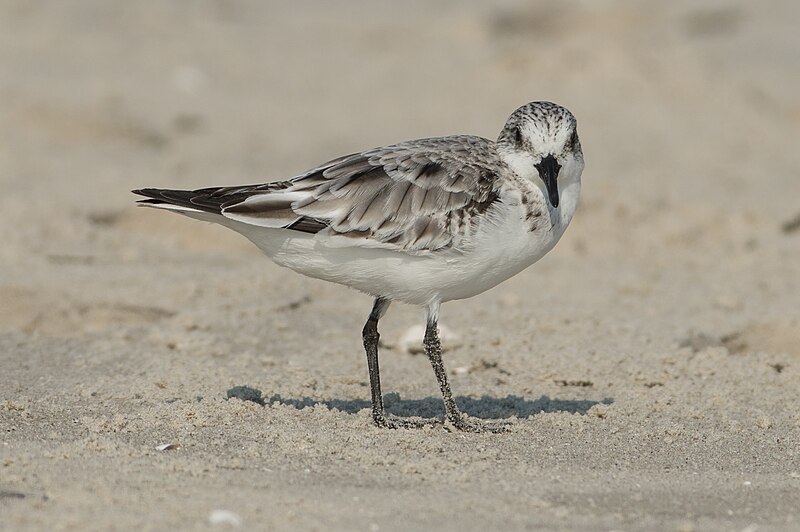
(649, 366)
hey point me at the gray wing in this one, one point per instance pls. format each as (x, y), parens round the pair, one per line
(420, 195)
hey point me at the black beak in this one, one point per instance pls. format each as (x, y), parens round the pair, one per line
(548, 170)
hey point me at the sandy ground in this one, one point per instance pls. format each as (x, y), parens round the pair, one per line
(650, 365)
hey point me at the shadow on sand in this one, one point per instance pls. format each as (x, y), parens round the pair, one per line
(431, 407)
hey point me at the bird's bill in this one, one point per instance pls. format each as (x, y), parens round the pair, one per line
(548, 171)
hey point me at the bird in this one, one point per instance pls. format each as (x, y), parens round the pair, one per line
(421, 222)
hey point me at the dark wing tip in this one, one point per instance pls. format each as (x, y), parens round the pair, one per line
(154, 193)
(193, 199)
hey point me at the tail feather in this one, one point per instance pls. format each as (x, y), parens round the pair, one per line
(196, 200)
(213, 201)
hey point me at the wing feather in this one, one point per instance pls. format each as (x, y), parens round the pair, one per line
(417, 196)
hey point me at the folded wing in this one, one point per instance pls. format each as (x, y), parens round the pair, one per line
(417, 196)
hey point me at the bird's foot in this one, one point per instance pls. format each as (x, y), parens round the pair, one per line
(463, 424)
(393, 422)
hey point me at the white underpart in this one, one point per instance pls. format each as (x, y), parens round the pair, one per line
(419, 279)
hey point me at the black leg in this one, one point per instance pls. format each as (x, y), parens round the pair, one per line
(433, 348)
(371, 337)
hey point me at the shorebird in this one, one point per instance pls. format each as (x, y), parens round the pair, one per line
(422, 222)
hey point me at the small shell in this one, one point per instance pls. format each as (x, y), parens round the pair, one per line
(224, 517)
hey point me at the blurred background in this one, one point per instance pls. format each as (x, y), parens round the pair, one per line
(656, 348)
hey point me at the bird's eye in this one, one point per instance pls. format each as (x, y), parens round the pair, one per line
(518, 136)
(573, 140)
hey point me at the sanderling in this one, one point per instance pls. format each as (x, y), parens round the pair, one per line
(423, 222)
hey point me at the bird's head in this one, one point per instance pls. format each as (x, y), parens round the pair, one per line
(540, 142)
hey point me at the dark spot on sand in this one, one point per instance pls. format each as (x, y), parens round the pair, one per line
(187, 123)
(104, 218)
(714, 22)
(246, 393)
(778, 367)
(294, 305)
(578, 383)
(790, 226)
